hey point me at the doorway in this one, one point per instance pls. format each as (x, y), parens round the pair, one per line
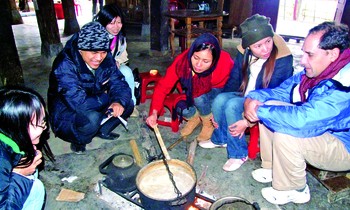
(296, 17)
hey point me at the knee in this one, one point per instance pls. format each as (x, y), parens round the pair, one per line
(126, 71)
(38, 190)
(220, 100)
(129, 108)
(88, 122)
(281, 140)
(233, 105)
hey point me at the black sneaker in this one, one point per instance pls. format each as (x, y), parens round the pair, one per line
(78, 148)
(110, 136)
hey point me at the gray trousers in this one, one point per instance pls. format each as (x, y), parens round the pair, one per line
(287, 156)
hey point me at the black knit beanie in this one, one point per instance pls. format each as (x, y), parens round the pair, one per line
(93, 37)
(254, 29)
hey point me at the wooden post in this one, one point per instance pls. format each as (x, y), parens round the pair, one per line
(71, 24)
(159, 26)
(10, 67)
(50, 38)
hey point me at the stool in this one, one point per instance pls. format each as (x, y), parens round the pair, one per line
(148, 83)
(253, 145)
(170, 104)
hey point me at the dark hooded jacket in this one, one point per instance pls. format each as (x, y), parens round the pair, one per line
(14, 188)
(73, 87)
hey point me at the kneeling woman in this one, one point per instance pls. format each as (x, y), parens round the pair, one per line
(202, 72)
(22, 125)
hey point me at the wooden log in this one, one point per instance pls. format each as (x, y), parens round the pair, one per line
(191, 152)
(136, 152)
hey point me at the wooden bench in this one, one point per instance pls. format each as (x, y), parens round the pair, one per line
(337, 183)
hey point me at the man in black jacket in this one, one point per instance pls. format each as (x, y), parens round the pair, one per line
(86, 87)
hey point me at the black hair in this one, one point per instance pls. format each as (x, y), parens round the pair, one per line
(108, 13)
(17, 107)
(208, 46)
(334, 35)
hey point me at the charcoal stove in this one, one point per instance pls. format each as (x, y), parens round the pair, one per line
(201, 202)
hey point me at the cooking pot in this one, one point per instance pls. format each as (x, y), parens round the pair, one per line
(121, 172)
(233, 203)
(167, 183)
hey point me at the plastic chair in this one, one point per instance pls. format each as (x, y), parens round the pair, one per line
(148, 83)
(169, 105)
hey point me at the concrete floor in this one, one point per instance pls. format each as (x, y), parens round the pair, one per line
(216, 182)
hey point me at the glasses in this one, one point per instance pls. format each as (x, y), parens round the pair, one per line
(43, 124)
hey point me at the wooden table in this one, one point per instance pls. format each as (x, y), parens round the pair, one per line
(189, 31)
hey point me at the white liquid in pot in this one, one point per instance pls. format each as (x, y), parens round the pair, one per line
(156, 184)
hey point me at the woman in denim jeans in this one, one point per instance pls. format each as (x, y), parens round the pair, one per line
(202, 72)
(263, 61)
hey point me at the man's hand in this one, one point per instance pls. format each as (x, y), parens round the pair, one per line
(117, 109)
(250, 109)
(30, 169)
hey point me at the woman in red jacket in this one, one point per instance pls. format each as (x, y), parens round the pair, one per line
(202, 71)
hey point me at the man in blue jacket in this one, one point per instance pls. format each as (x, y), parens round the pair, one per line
(86, 86)
(306, 119)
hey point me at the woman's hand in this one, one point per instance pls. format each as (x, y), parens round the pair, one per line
(152, 119)
(30, 169)
(238, 128)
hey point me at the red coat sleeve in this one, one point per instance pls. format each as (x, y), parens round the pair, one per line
(165, 85)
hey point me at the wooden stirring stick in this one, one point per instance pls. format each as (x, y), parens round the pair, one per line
(161, 143)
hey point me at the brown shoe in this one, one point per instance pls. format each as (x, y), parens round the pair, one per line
(207, 128)
(191, 124)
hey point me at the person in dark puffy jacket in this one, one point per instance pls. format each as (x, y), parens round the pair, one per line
(23, 135)
(86, 87)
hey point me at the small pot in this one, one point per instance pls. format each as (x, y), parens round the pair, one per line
(233, 203)
(121, 171)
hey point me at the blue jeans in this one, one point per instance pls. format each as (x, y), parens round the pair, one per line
(35, 199)
(129, 78)
(228, 109)
(202, 104)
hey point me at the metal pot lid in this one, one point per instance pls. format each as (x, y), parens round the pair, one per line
(123, 161)
(233, 202)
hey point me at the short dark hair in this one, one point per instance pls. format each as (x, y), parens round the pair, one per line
(108, 13)
(335, 35)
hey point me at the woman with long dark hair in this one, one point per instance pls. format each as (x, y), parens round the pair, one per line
(23, 137)
(263, 61)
